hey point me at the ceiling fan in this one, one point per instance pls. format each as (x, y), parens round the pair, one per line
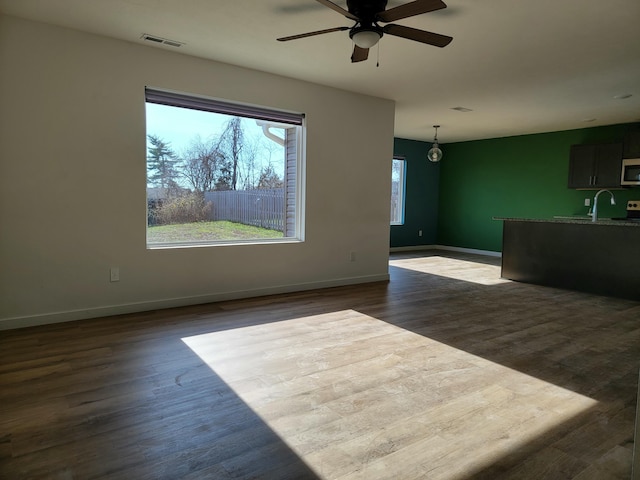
(369, 13)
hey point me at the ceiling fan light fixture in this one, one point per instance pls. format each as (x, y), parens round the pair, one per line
(366, 38)
(435, 154)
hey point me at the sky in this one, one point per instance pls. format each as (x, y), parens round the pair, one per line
(178, 126)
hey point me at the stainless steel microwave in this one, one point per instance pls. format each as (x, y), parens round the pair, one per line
(630, 171)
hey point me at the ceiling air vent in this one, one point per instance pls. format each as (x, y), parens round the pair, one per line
(164, 41)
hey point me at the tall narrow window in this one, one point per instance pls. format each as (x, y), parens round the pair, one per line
(397, 190)
(219, 172)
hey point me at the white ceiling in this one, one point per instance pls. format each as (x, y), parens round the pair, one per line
(521, 66)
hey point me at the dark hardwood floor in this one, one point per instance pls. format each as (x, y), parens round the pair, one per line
(446, 372)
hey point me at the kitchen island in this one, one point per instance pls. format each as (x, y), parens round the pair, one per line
(575, 253)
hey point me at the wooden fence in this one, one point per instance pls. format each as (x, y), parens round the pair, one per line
(261, 208)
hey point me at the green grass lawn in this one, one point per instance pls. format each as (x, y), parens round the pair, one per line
(207, 231)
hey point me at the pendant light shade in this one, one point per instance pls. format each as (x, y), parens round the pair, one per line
(435, 154)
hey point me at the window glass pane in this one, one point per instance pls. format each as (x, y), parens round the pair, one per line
(397, 191)
(220, 178)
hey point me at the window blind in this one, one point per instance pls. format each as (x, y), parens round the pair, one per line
(223, 107)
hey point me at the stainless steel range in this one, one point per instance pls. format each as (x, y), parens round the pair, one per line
(633, 210)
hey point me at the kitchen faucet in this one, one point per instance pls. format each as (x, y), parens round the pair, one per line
(595, 204)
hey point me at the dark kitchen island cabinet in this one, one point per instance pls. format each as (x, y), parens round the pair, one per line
(601, 257)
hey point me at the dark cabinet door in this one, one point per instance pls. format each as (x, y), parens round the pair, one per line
(595, 166)
(608, 165)
(582, 164)
(632, 143)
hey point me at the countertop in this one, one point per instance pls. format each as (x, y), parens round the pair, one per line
(576, 219)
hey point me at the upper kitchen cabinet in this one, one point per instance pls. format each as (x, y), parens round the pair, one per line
(632, 143)
(595, 166)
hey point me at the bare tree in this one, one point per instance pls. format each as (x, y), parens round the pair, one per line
(201, 164)
(269, 178)
(232, 144)
(229, 161)
(248, 169)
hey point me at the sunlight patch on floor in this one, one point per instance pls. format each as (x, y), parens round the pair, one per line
(358, 398)
(456, 269)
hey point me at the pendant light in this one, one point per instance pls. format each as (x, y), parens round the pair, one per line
(435, 154)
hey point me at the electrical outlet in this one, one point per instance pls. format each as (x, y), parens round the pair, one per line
(352, 256)
(115, 274)
(587, 202)
(419, 233)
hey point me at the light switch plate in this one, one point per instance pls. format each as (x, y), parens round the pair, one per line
(115, 274)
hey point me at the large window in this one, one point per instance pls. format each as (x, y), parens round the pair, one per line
(397, 190)
(219, 172)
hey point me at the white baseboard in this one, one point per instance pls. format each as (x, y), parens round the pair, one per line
(413, 248)
(110, 310)
(474, 251)
(106, 311)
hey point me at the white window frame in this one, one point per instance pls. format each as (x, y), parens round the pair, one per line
(400, 204)
(285, 118)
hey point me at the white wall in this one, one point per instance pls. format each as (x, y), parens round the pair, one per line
(72, 181)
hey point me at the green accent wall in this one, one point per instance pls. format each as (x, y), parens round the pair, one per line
(421, 195)
(522, 176)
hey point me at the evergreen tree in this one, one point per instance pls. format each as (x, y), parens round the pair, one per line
(161, 164)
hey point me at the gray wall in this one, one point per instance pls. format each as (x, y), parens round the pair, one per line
(72, 181)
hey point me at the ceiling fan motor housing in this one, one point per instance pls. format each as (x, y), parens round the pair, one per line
(366, 10)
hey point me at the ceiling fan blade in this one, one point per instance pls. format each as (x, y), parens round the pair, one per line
(359, 54)
(416, 35)
(339, 9)
(311, 34)
(410, 9)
